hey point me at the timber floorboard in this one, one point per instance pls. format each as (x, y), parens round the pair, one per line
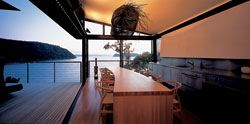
(39, 103)
(86, 110)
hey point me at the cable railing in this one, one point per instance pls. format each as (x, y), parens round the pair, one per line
(46, 71)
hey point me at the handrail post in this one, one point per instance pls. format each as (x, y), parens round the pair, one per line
(81, 76)
(54, 72)
(27, 72)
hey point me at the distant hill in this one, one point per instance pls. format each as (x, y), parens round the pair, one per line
(132, 54)
(22, 51)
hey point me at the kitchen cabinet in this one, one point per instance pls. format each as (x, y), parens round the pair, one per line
(197, 80)
(154, 68)
(225, 87)
(223, 94)
(166, 75)
(160, 70)
(192, 80)
(204, 92)
(176, 75)
(150, 68)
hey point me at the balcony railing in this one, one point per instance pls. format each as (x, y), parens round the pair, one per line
(46, 72)
(53, 71)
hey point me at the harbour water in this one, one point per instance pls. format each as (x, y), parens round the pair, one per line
(56, 71)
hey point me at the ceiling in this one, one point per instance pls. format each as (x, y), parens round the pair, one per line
(162, 14)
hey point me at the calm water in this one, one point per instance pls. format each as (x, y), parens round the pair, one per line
(58, 72)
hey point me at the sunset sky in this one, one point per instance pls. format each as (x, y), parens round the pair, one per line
(31, 24)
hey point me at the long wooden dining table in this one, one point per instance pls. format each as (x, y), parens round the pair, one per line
(140, 100)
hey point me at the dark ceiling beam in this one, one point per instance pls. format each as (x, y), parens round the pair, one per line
(75, 14)
(75, 4)
(207, 14)
(80, 18)
(6, 6)
(112, 37)
(63, 14)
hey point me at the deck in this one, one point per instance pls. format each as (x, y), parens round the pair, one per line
(39, 103)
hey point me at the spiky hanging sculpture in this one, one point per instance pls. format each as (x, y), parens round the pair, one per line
(125, 19)
(124, 22)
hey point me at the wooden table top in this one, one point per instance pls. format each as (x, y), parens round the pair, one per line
(128, 82)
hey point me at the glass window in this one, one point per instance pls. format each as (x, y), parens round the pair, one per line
(94, 28)
(136, 34)
(105, 57)
(107, 30)
(158, 47)
(138, 55)
(141, 34)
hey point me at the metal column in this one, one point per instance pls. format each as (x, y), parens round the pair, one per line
(154, 50)
(85, 57)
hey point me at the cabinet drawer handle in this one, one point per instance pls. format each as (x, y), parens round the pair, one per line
(191, 76)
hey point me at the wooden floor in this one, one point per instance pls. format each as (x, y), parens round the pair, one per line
(87, 108)
(40, 104)
(186, 118)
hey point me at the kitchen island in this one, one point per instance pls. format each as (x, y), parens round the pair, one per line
(139, 99)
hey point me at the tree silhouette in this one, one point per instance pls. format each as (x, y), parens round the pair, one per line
(140, 63)
(121, 47)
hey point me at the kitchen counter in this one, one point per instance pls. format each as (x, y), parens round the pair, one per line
(219, 72)
(202, 87)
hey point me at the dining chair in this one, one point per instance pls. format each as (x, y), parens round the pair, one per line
(155, 77)
(106, 104)
(107, 77)
(174, 86)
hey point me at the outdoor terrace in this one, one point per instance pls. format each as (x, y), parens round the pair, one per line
(49, 89)
(39, 103)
